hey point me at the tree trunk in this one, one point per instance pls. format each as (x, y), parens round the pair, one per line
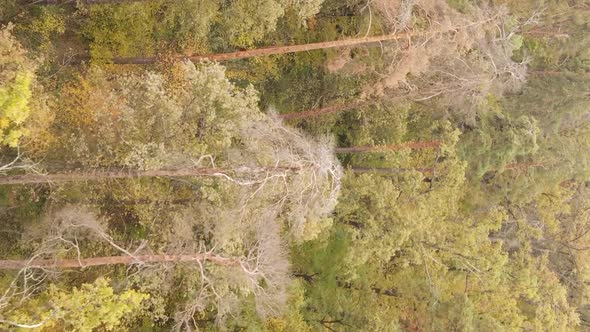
(130, 202)
(263, 51)
(522, 166)
(307, 277)
(390, 171)
(546, 72)
(379, 291)
(75, 2)
(547, 33)
(115, 260)
(96, 175)
(337, 108)
(392, 147)
(325, 110)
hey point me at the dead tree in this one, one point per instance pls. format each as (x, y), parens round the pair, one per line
(266, 51)
(115, 260)
(390, 147)
(458, 61)
(331, 109)
(17, 163)
(311, 194)
(77, 2)
(262, 265)
(98, 174)
(391, 171)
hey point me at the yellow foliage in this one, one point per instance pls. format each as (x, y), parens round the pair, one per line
(15, 89)
(86, 308)
(76, 110)
(38, 126)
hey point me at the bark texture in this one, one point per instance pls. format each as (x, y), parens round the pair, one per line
(96, 175)
(391, 147)
(114, 260)
(259, 51)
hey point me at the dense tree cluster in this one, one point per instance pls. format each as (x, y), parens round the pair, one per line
(405, 165)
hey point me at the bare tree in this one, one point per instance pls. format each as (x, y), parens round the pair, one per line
(458, 59)
(234, 174)
(273, 50)
(462, 66)
(390, 147)
(262, 268)
(18, 163)
(391, 171)
(331, 109)
(77, 2)
(311, 194)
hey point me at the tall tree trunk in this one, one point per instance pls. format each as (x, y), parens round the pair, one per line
(130, 202)
(546, 33)
(96, 175)
(522, 166)
(546, 72)
(392, 147)
(426, 170)
(377, 290)
(336, 108)
(116, 260)
(390, 171)
(75, 2)
(264, 51)
(325, 110)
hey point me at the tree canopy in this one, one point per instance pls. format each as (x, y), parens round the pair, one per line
(411, 165)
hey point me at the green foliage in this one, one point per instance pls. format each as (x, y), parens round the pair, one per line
(86, 308)
(305, 8)
(333, 296)
(498, 140)
(145, 124)
(8, 10)
(246, 22)
(188, 26)
(460, 5)
(185, 25)
(45, 25)
(94, 305)
(372, 217)
(486, 232)
(119, 30)
(142, 29)
(293, 319)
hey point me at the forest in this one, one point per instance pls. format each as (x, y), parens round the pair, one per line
(295, 165)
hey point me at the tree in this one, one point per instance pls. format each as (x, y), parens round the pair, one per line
(393, 147)
(561, 139)
(249, 175)
(331, 109)
(145, 129)
(558, 39)
(247, 22)
(389, 216)
(497, 141)
(258, 264)
(459, 59)
(79, 309)
(306, 8)
(129, 116)
(15, 88)
(340, 296)
(261, 51)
